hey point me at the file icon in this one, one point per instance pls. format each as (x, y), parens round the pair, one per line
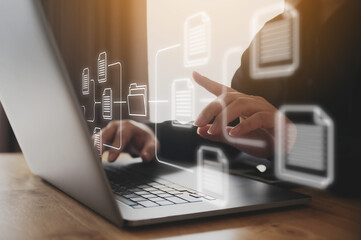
(107, 104)
(98, 140)
(102, 67)
(197, 37)
(85, 81)
(304, 146)
(137, 100)
(275, 49)
(182, 102)
(212, 173)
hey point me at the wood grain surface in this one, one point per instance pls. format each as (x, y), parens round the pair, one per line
(32, 209)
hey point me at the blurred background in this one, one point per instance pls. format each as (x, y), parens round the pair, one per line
(83, 29)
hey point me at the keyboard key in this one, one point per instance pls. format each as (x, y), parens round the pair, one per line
(138, 199)
(195, 195)
(157, 192)
(175, 192)
(189, 198)
(149, 196)
(158, 199)
(155, 184)
(165, 203)
(149, 204)
(149, 189)
(137, 206)
(176, 200)
(164, 195)
(141, 192)
(126, 201)
(132, 195)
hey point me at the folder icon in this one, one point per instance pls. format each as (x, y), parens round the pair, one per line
(197, 36)
(107, 104)
(85, 81)
(304, 148)
(137, 100)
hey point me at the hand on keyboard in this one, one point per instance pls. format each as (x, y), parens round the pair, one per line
(137, 138)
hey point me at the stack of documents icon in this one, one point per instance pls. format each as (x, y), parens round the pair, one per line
(197, 34)
(107, 104)
(137, 100)
(182, 102)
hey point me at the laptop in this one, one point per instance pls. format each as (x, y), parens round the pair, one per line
(41, 106)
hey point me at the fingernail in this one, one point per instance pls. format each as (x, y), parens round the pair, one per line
(234, 132)
(212, 130)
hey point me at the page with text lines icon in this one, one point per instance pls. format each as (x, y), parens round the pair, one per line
(102, 67)
(197, 34)
(182, 102)
(85, 81)
(107, 106)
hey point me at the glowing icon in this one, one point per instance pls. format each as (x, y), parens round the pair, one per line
(102, 67)
(85, 81)
(182, 102)
(107, 106)
(197, 36)
(275, 50)
(98, 140)
(137, 100)
(212, 173)
(304, 146)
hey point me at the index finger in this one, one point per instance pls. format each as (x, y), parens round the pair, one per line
(211, 86)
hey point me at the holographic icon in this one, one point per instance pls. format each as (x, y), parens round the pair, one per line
(98, 140)
(102, 67)
(85, 81)
(137, 100)
(107, 104)
(275, 49)
(182, 102)
(304, 145)
(212, 173)
(197, 37)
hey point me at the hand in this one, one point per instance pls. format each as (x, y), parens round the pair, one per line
(136, 138)
(255, 114)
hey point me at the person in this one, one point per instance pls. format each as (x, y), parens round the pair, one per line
(329, 75)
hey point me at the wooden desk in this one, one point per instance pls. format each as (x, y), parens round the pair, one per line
(32, 209)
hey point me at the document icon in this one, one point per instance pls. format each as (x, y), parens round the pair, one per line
(212, 173)
(102, 67)
(137, 100)
(275, 50)
(98, 140)
(304, 147)
(85, 81)
(182, 102)
(107, 104)
(197, 36)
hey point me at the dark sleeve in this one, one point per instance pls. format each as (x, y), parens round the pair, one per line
(182, 143)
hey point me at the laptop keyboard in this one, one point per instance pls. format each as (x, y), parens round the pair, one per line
(139, 192)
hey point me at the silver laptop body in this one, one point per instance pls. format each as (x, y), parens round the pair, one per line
(41, 106)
